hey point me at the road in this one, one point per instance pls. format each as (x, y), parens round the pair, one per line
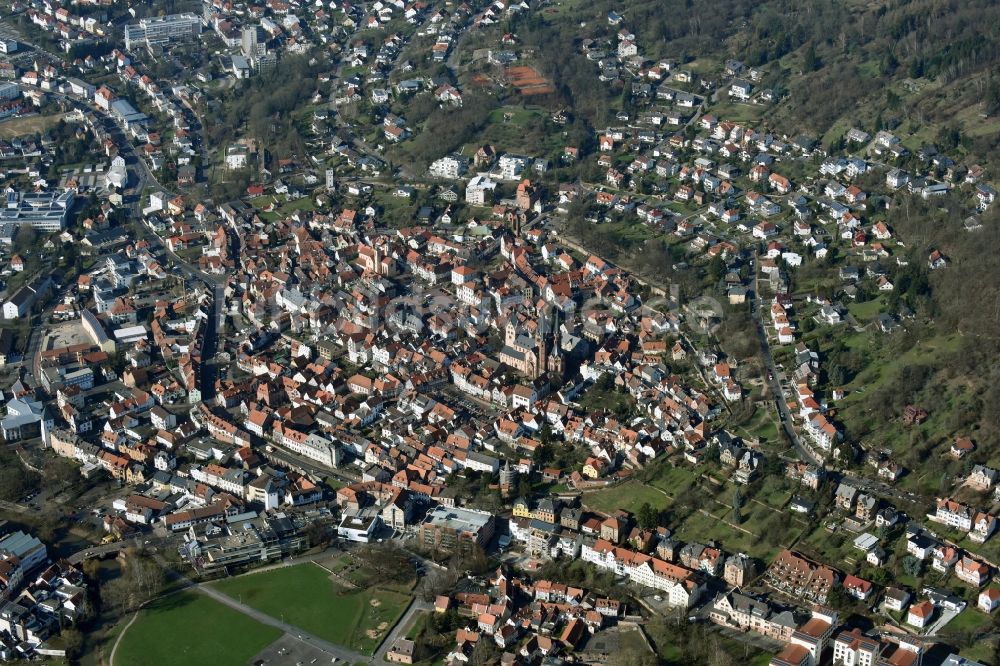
(308, 467)
(146, 179)
(774, 376)
(416, 606)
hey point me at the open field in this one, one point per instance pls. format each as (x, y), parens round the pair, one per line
(27, 125)
(629, 496)
(189, 629)
(528, 80)
(307, 596)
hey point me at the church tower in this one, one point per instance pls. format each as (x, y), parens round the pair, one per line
(541, 346)
(556, 365)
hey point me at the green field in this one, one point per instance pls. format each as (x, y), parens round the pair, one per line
(305, 595)
(189, 629)
(24, 125)
(866, 311)
(969, 619)
(629, 496)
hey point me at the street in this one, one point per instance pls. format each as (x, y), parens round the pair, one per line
(774, 376)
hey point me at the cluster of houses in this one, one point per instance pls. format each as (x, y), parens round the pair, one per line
(528, 620)
(38, 597)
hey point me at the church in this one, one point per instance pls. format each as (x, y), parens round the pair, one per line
(532, 348)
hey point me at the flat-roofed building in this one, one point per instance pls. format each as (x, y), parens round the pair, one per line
(45, 211)
(162, 30)
(453, 528)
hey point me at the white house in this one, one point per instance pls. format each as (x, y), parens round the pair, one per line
(237, 156)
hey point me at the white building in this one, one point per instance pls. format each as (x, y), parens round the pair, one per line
(852, 648)
(29, 550)
(237, 156)
(117, 175)
(512, 167)
(479, 191)
(312, 446)
(359, 529)
(449, 166)
(45, 211)
(162, 30)
(678, 584)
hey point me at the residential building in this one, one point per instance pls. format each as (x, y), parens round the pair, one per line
(452, 528)
(799, 577)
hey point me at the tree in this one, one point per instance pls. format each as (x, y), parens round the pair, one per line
(648, 517)
(716, 269)
(524, 486)
(25, 238)
(484, 653)
(318, 534)
(141, 579)
(72, 642)
(436, 582)
(912, 566)
(991, 101)
(15, 479)
(737, 505)
(838, 598)
(60, 471)
(838, 375)
(388, 561)
(810, 61)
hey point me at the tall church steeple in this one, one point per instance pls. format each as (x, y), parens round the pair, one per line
(541, 345)
(556, 364)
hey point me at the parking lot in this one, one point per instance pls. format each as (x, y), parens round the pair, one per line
(291, 650)
(65, 334)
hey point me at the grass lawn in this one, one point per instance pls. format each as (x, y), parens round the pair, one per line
(416, 626)
(757, 520)
(306, 596)
(984, 651)
(27, 125)
(761, 426)
(189, 629)
(598, 397)
(866, 311)
(968, 620)
(629, 495)
(836, 550)
(514, 115)
(883, 365)
(739, 111)
(674, 480)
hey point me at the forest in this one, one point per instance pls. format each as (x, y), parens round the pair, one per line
(832, 60)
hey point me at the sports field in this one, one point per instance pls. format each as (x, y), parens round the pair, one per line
(309, 596)
(189, 629)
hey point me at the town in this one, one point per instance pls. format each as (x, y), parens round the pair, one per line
(335, 325)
